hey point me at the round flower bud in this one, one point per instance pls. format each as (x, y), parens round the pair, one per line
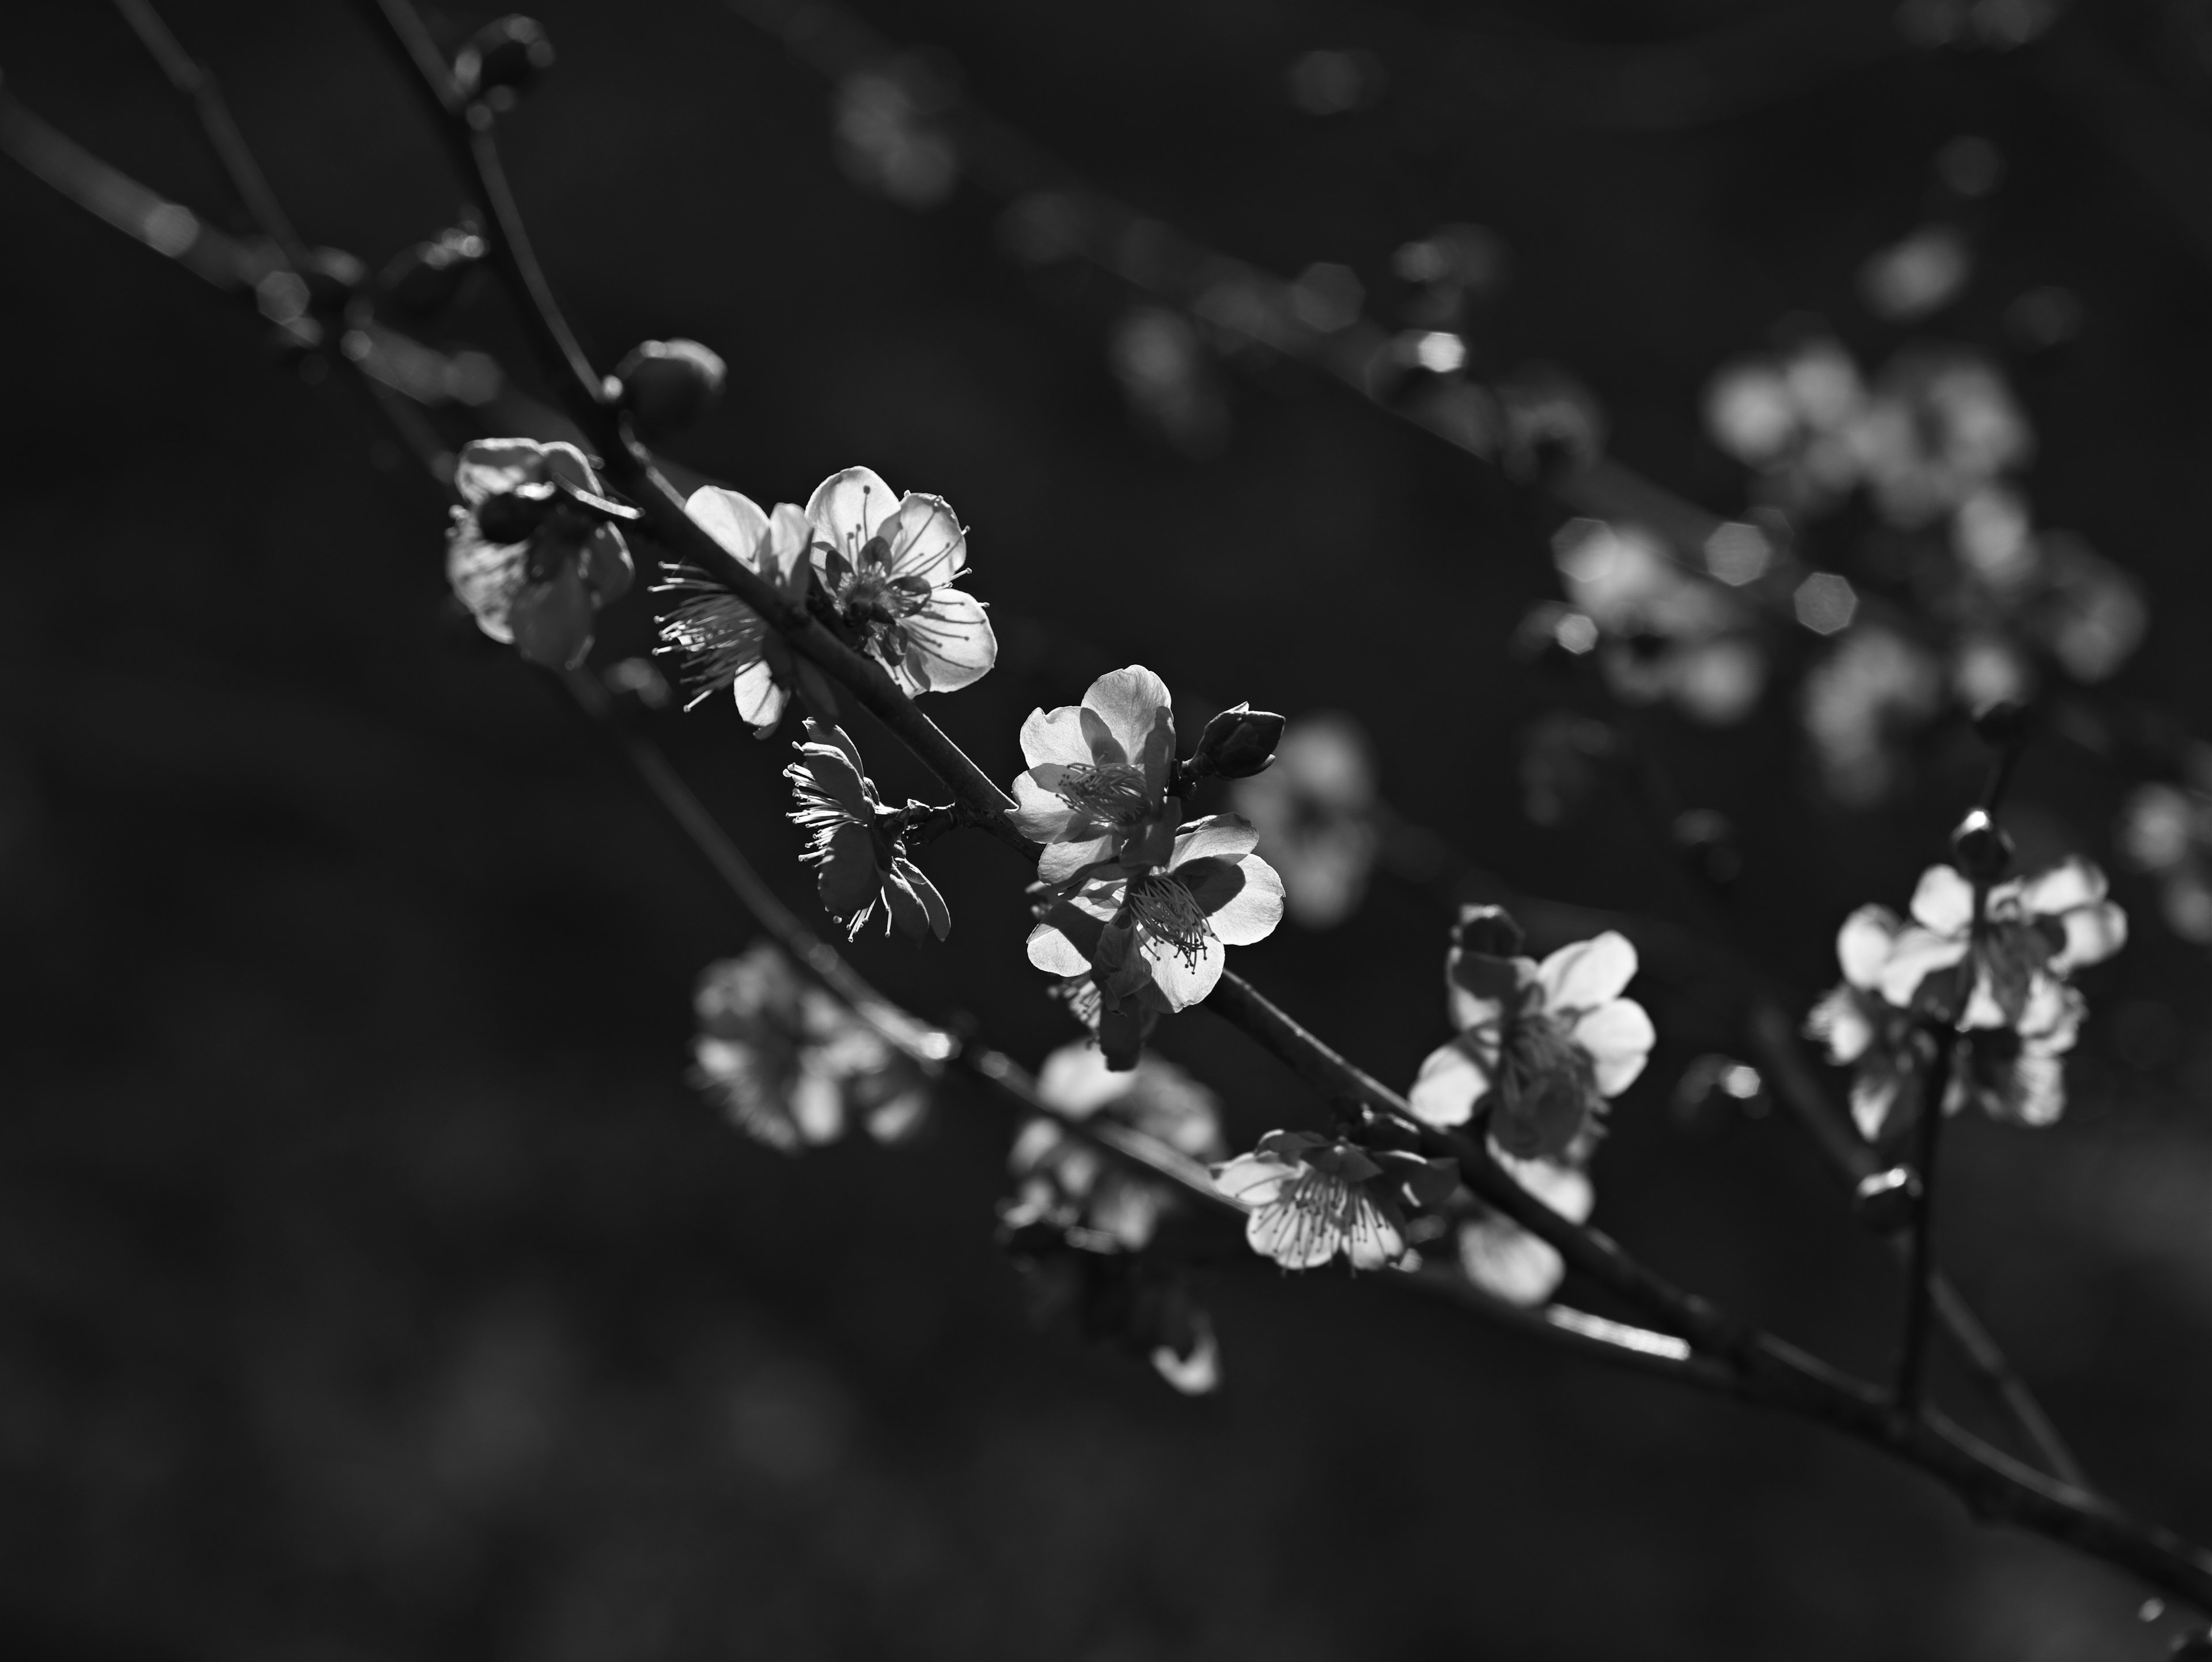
(1983, 850)
(1885, 1201)
(502, 60)
(1489, 931)
(668, 384)
(423, 281)
(1237, 743)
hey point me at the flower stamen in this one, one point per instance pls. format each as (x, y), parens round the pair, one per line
(1167, 913)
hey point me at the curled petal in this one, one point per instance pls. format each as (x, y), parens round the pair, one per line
(1943, 902)
(1451, 1082)
(1197, 1373)
(567, 464)
(936, 912)
(949, 642)
(1588, 973)
(926, 541)
(1619, 1037)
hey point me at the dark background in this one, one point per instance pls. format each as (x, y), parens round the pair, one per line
(371, 1285)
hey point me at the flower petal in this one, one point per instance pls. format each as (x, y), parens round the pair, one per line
(1291, 1236)
(846, 509)
(1916, 954)
(1252, 1179)
(2093, 933)
(849, 877)
(761, 699)
(2073, 882)
(1588, 973)
(927, 541)
(1943, 902)
(1218, 837)
(1373, 1241)
(939, 915)
(1243, 899)
(784, 555)
(1061, 861)
(1451, 1082)
(1184, 981)
(1862, 944)
(486, 577)
(732, 519)
(491, 468)
(1130, 701)
(1050, 950)
(950, 642)
(1075, 1079)
(1840, 1025)
(1057, 737)
(1505, 1261)
(830, 766)
(1619, 1037)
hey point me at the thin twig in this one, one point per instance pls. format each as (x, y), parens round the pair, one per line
(1920, 1274)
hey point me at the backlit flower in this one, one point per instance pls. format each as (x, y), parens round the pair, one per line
(888, 565)
(2033, 929)
(723, 642)
(791, 1065)
(858, 864)
(1076, 1185)
(526, 552)
(1315, 808)
(1541, 1046)
(1098, 773)
(1312, 1197)
(1154, 936)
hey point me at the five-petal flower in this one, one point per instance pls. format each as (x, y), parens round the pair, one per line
(1541, 1046)
(724, 642)
(1098, 773)
(887, 564)
(1312, 1198)
(859, 863)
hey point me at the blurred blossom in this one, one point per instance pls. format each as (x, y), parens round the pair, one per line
(526, 553)
(1875, 683)
(2043, 317)
(1674, 634)
(1503, 1259)
(790, 1064)
(1795, 417)
(888, 140)
(1551, 420)
(1315, 810)
(1826, 603)
(1942, 424)
(1919, 274)
(1737, 553)
(2092, 614)
(1329, 82)
(1995, 25)
(1987, 669)
(1074, 1184)
(1993, 537)
(1437, 350)
(1328, 297)
(1451, 268)
(1166, 372)
(1044, 226)
(2166, 830)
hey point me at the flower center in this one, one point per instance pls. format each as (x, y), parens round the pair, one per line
(1111, 792)
(1327, 1211)
(1167, 913)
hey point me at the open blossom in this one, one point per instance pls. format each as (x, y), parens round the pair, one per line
(888, 565)
(1541, 1046)
(529, 562)
(1503, 1259)
(1312, 1197)
(1154, 937)
(858, 865)
(2033, 929)
(1907, 985)
(791, 1065)
(1098, 773)
(723, 642)
(1076, 1185)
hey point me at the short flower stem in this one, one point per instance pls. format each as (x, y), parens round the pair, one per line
(1920, 1276)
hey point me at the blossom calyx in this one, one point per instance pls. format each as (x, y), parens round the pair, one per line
(668, 384)
(1237, 744)
(503, 59)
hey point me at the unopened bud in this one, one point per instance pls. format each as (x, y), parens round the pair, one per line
(1237, 743)
(668, 384)
(1489, 931)
(503, 60)
(1981, 848)
(1885, 1201)
(424, 281)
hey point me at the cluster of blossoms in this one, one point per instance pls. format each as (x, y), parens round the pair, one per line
(1931, 446)
(793, 1067)
(1136, 908)
(532, 551)
(2165, 830)
(1079, 1218)
(1993, 967)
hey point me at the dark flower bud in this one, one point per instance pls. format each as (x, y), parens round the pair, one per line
(502, 60)
(1237, 743)
(424, 281)
(1885, 1201)
(668, 384)
(1488, 931)
(1983, 850)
